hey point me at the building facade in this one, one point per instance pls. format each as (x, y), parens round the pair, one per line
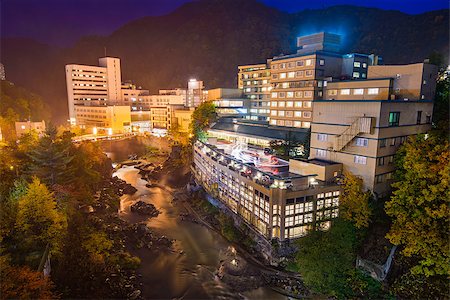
(254, 82)
(282, 200)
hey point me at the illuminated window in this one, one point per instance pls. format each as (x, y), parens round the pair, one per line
(361, 142)
(332, 92)
(290, 95)
(356, 74)
(274, 103)
(291, 74)
(358, 91)
(299, 94)
(281, 113)
(307, 103)
(308, 94)
(281, 104)
(321, 62)
(298, 103)
(289, 103)
(274, 95)
(273, 112)
(373, 91)
(356, 64)
(308, 62)
(362, 160)
(282, 75)
(307, 114)
(345, 92)
(299, 74)
(298, 114)
(297, 124)
(306, 124)
(273, 122)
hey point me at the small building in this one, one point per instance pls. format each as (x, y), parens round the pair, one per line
(25, 127)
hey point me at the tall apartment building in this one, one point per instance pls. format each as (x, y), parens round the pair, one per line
(298, 79)
(95, 96)
(2, 72)
(361, 123)
(195, 95)
(254, 81)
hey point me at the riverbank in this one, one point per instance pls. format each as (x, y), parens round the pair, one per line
(244, 270)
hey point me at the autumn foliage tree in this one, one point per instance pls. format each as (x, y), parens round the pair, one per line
(354, 202)
(419, 206)
(39, 221)
(23, 283)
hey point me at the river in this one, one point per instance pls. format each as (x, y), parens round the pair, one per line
(186, 272)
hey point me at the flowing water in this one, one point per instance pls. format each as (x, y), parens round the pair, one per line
(186, 271)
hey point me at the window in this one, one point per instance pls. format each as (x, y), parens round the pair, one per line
(306, 124)
(345, 92)
(308, 94)
(307, 114)
(394, 118)
(274, 103)
(322, 137)
(355, 74)
(300, 63)
(281, 104)
(382, 143)
(357, 64)
(309, 62)
(419, 117)
(298, 114)
(281, 113)
(364, 65)
(282, 94)
(381, 161)
(291, 74)
(298, 103)
(273, 122)
(290, 95)
(307, 103)
(289, 104)
(299, 74)
(321, 153)
(362, 160)
(289, 114)
(393, 141)
(273, 112)
(309, 73)
(373, 91)
(358, 92)
(274, 76)
(362, 142)
(427, 119)
(274, 95)
(280, 122)
(297, 124)
(282, 75)
(298, 94)
(332, 92)
(321, 62)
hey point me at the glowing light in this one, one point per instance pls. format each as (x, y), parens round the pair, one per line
(110, 131)
(94, 130)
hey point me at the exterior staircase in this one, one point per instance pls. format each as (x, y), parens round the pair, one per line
(360, 125)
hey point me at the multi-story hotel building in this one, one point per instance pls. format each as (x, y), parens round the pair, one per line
(358, 113)
(361, 123)
(98, 100)
(276, 198)
(95, 97)
(254, 82)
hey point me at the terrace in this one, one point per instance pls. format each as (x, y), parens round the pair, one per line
(258, 165)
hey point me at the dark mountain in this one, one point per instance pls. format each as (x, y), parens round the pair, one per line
(207, 39)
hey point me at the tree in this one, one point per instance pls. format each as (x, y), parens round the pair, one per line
(354, 202)
(23, 283)
(51, 157)
(419, 206)
(39, 222)
(203, 116)
(442, 104)
(325, 259)
(97, 245)
(289, 147)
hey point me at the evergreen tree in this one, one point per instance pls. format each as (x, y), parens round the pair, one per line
(50, 158)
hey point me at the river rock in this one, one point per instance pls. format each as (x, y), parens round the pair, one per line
(144, 208)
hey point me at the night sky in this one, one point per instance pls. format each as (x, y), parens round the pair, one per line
(63, 22)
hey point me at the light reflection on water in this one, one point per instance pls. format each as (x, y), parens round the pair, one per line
(186, 271)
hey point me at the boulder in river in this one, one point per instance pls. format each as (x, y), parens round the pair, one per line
(144, 208)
